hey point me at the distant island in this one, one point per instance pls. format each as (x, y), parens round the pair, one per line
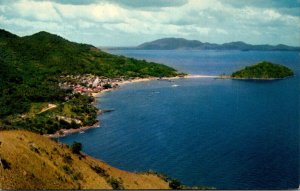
(263, 71)
(181, 43)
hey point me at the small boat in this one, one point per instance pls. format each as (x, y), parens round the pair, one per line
(167, 80)
(175, 85)
(155, 92)
(81, 132)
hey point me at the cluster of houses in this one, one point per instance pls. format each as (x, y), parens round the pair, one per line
(88, 83)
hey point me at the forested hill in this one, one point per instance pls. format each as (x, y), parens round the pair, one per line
(263, 70)
(54, 54)
(30, 68)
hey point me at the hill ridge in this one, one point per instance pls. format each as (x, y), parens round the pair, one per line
(32, 67)
(263, 70)
(172, 43)
(7, 34)
(32, 161)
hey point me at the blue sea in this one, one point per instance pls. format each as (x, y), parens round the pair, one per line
(227, 134)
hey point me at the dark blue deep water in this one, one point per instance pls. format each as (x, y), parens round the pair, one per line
(227, 134)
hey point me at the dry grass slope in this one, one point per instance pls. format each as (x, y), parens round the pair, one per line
(32, 161)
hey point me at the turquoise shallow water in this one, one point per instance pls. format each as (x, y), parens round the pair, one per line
(227, 134)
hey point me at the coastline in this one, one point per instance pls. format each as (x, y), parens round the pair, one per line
(120, 84)
(66, 132)
(250, 79)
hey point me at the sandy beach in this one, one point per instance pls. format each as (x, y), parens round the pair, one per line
(152, 78)
(200, 76)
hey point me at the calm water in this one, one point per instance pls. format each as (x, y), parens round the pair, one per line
(223, 133)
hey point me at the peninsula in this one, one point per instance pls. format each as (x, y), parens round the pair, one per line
(47, 82)
(46, 85)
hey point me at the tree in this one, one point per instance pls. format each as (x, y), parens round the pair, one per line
(4, 163)
(175, 184)
(115, 183)
(76, 147)
(107, 86)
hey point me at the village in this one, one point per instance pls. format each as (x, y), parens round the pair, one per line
(88, 84)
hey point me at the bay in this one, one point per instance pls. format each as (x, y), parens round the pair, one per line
(228, 134)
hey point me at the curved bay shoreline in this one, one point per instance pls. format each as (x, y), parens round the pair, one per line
(66, 132)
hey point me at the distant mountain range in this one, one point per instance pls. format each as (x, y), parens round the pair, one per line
(181, 43)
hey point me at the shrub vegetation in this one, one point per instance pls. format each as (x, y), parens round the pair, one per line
(76, 147)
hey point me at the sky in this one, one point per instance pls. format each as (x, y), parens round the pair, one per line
(132, 22)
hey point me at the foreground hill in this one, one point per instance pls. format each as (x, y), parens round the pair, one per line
(53, 54)
(181, 43)
(32, 161)
(32, 67)
(263, 70)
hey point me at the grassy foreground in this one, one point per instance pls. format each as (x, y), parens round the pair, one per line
(32, 161)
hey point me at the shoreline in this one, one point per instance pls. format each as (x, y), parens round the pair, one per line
(189, 76)
(250, 79)
(66, 132)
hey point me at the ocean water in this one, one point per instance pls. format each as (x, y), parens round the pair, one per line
(227, 134)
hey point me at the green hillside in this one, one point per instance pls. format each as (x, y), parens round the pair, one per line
(263, 70)
(30, 70)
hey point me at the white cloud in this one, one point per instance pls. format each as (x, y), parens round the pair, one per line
(85, 24)
(103, 12)
(272, 15)
(205, 20)
(222, 31)
(41, 11)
